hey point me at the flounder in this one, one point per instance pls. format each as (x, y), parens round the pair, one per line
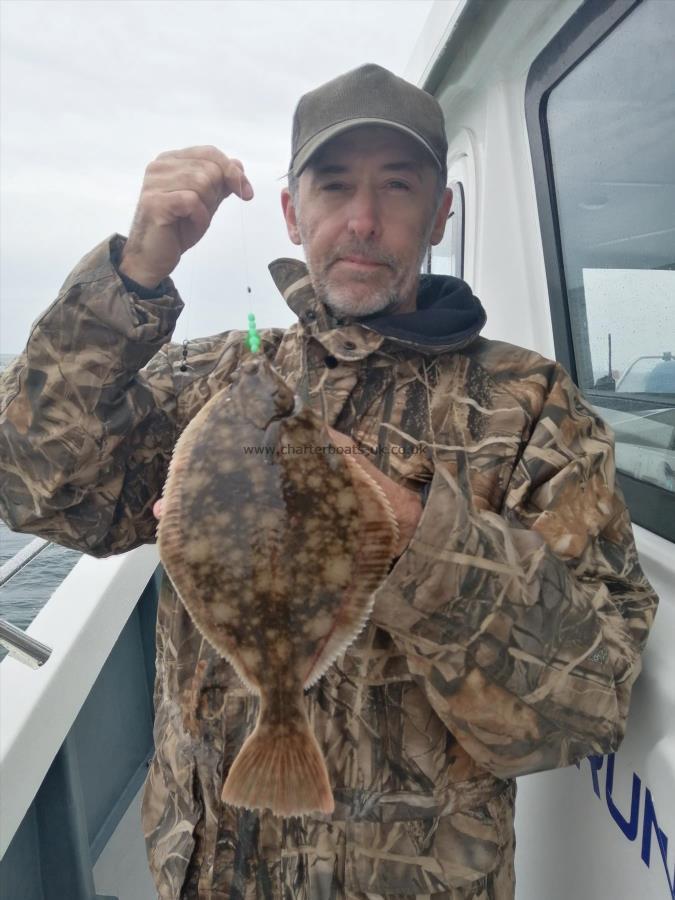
(275, 546)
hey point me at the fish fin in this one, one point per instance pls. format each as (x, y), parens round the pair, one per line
(378, 535)
(285, 773)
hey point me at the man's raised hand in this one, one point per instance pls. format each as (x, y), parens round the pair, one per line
(182, 189)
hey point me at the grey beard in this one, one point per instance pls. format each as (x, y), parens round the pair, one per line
(387, 303)
(382, 301)
(391, 303)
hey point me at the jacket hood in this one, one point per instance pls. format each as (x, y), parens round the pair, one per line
(448, 315)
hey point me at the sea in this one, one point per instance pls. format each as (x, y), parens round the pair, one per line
(24, 595)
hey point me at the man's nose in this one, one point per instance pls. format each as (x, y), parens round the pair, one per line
(364, 215)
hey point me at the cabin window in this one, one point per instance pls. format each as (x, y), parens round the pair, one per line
(447, 258)
(608, 205)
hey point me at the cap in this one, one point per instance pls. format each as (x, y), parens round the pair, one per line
(369, 95)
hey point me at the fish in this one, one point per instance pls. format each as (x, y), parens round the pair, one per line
(275, 546)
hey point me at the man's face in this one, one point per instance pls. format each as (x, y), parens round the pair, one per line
(365, 218)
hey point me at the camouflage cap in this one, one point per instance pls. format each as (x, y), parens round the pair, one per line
(368, 95)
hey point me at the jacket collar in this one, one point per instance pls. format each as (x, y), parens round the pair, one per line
(448, 317)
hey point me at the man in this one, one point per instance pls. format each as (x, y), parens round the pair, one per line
(508, 634)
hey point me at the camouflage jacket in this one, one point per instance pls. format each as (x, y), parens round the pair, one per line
(505, 640)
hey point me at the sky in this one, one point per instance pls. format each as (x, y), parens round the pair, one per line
(91, 92)
(637, 329)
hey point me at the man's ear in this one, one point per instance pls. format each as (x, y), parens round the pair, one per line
(441, 218)
(290, 216)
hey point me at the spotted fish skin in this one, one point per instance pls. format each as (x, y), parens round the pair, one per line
(275, 547)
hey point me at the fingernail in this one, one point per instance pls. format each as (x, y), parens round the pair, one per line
(247, 193)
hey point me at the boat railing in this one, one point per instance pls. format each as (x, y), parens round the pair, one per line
(82, 620)
(18, 644)
(22, 647)
(21, 559)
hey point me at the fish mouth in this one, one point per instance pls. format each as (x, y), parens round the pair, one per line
(250, 366)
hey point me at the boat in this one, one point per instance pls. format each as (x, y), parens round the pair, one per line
(560, 132)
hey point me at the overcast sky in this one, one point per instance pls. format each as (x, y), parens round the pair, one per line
(93, 91)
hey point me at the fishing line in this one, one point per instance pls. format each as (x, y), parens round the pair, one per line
(252, 337)
(184, 352)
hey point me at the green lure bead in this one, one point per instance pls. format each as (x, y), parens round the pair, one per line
(253, 338)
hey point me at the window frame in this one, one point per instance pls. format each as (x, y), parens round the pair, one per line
(651, 506)
(458, 200)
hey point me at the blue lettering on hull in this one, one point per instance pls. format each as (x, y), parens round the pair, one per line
(627, 814)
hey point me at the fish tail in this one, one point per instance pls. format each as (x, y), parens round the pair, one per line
(280, 769)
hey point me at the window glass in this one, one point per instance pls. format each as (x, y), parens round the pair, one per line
(447, 258)
(611, 124)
